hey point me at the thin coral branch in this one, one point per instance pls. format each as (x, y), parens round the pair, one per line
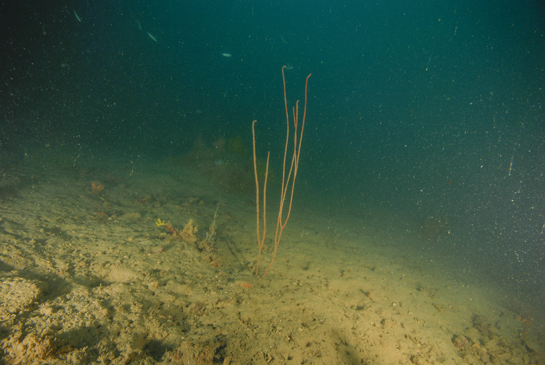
(261, 241)
(292, 174)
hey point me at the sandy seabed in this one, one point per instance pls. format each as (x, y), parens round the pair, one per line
(89, 277)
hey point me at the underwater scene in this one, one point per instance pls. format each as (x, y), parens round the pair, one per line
(272, 182)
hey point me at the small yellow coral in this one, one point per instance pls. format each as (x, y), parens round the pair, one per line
(159, 222)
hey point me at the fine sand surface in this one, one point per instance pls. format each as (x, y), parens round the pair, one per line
(91, 275)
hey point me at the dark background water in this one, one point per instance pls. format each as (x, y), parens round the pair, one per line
(433, 109)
